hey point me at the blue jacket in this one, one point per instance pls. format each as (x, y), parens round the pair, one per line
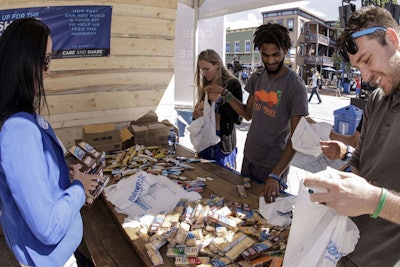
(39, 206)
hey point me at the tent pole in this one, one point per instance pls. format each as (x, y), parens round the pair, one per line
(195, 43)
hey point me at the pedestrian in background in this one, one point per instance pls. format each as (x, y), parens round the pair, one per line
(314, 86)
(40, 206)
(357, 84)
(244, 77)
(338, 89)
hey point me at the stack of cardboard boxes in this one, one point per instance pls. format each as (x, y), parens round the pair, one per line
(147, 131)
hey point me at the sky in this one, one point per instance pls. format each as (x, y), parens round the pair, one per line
(325, 9)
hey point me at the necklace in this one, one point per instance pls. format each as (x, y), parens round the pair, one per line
(278, 75)
(270, 82)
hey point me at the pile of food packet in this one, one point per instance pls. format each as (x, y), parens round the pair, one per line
(152, 159)
(212, 232)
(205, 233)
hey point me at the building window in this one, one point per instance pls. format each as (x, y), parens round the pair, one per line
(273, 14)
(290, 24)
(288, 12)
(247, 46)
(302, 22)
(279, 21)
(237, 47)
(228, 47)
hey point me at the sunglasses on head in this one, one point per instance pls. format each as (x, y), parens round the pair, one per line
(350, 45)
(47, 61)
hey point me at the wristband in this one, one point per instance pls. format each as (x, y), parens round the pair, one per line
(279, 179)
(349, 153)
(227, 96)
(380, 204)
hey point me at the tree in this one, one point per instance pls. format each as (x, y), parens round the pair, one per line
(380, 3)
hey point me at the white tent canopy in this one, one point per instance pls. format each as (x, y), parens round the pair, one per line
(217, 8)
(200, 25)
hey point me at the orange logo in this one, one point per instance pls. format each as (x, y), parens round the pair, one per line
(270, 98)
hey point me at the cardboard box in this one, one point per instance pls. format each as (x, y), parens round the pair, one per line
(104, 137)
(127, 138)
(147, 118)
(152, 134)
(158, 133)
(139, 133)
(149, 132)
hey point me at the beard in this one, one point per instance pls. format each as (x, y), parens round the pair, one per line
(391, 77)
(277, 69)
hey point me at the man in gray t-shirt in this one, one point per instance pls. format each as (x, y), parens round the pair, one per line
(277, 100)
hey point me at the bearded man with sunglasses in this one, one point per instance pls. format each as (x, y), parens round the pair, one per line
(371, 43)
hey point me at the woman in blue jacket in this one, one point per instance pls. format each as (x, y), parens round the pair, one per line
(39, 205)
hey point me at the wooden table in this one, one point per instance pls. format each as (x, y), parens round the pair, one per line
(111, 245)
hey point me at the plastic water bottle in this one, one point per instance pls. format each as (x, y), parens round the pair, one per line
(172, 142)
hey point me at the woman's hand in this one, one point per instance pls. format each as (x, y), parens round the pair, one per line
(198, 110)
(214, 91)
(89, 181)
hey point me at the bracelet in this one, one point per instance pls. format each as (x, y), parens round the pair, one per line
(228, 96)
(349, 153)
(380, 204)
(279, 179)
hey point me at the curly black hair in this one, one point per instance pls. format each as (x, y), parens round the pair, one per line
(272, 34)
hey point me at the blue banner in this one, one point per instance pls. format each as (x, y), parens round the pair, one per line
(76, 31)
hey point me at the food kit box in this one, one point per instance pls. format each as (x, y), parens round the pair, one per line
(103, 137)
(147, 130)
(90, 161)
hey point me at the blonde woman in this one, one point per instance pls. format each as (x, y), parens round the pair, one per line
(211, 72)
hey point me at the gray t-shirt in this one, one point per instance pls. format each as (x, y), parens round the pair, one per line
(286, 96)
(377, 159)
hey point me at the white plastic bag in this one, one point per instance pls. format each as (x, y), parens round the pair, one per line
(144, 194)
(318, 236)
(278, 212)
(203, 130)
(306, 136)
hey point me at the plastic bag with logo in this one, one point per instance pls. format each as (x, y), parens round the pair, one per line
(318, 236)
(203, 130)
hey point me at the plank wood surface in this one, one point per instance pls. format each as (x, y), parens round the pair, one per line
(137, 75)
(223, 183)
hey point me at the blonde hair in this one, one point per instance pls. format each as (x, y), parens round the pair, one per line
(222, 77)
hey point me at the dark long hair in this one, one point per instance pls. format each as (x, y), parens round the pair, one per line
(22, 52)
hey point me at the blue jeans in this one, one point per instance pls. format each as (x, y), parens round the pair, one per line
(315, 91)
